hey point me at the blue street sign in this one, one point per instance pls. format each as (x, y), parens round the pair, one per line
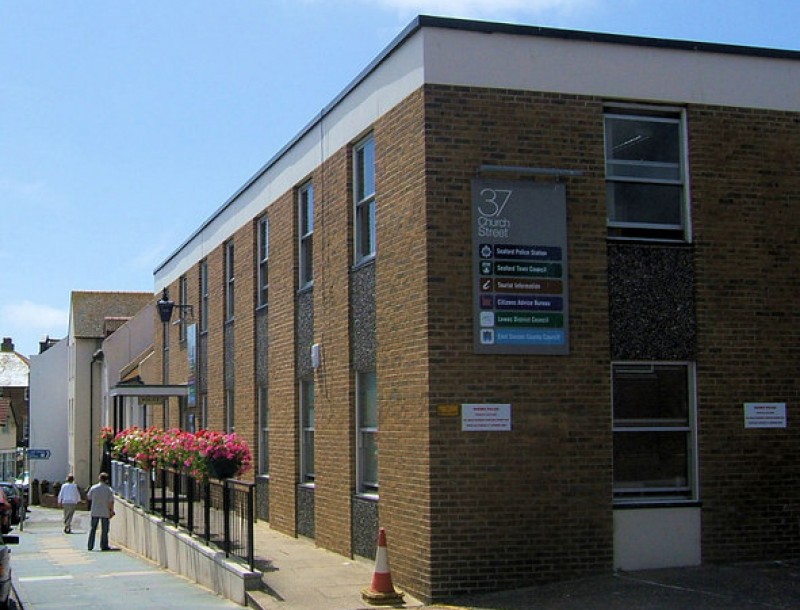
(38, 454)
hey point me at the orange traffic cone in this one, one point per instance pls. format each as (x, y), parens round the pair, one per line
(382, 591)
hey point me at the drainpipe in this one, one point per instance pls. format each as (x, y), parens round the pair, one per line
(96, 357)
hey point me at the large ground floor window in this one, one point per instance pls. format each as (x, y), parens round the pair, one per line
(367, 417)
(307, 435)
(655, 456)
(263, 430)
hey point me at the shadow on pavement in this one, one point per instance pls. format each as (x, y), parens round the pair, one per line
(751, 586)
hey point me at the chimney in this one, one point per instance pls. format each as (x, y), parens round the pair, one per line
(8, 345)
(45, 343)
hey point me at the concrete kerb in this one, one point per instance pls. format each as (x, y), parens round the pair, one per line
(176, 550)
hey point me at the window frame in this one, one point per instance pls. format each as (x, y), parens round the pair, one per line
(262, 298)
(263, 431)
(307, 431)
(230, 411)
(203, 410)
(203, 295)
(649, 231)
(364, 206)
(649, 495)
(366, 488)
(183, 299)
(305, 227)
(230, 281)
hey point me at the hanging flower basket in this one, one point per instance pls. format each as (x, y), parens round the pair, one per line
(223, 468)
(136, 445)
(226, 454)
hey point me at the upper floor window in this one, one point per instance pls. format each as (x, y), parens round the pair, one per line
(229, 281)
(230, 411)
(263, 262)
(654, 432)
(203, 296)
(203, 411)
(305, 202)
(364, 195)
(646, 181)
(183, 295)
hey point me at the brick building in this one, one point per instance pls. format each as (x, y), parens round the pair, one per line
(523, 297)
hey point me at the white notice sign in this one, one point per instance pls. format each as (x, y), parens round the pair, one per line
(765, 415)
(485, 418)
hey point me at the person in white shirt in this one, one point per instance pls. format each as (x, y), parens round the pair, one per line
(102, 498)
(68, 498)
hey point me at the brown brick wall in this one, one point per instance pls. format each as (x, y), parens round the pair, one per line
(532, 504)
(178, 360)
(470, 511)
(246, 403)
(401, 329)
(333, 381)
(216, 356)
(282, 379)
(746, 185)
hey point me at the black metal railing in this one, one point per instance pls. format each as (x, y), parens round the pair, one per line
(220, 512)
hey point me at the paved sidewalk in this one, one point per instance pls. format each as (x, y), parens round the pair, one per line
(300, 576)
(53, 570)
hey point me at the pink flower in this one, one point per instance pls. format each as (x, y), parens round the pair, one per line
(182, 450)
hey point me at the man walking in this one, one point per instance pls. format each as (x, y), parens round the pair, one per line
(102, 498)
(68, 497)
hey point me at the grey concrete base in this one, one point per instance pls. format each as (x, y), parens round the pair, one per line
(177, 551)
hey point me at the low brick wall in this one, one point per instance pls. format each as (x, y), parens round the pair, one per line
(51, 501)
(175, 550)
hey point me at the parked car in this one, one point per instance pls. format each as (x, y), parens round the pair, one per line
(14, 499)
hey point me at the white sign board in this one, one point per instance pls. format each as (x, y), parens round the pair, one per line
(765, 415)
(485, 418)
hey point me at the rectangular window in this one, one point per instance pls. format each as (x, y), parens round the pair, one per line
(203, 296)
(263, 262)
(305, 202)
(654, 432)
(367, 417)
(230, 412)
(229, 282)
(307, 428)
(183, 296)
(364, 194)
(203, 423)
(263, 426)
(646, 185)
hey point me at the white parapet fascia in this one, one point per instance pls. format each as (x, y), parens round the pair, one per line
(474, 54)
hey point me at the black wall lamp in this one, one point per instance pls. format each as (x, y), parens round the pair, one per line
(165, 307)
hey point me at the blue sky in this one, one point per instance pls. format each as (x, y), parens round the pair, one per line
(125, 124)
